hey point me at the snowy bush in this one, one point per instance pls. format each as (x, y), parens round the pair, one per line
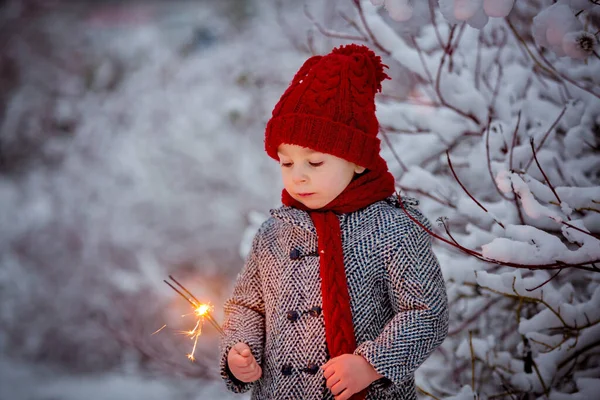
(499, 139)
(130, 149)
(557, 27)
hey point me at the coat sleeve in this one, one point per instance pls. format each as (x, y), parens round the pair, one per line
(418, 296)
(244, 317)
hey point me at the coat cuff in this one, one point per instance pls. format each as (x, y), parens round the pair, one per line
(384, 387)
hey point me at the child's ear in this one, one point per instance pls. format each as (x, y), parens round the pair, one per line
(358, 169)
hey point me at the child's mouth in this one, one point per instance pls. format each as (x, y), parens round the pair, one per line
(305, 194)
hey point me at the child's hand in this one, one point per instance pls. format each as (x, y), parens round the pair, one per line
(242, 363)
(348, 374)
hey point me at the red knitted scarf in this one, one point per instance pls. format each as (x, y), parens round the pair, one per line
(366, 189)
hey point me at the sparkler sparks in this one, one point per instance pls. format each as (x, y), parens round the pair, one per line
(202, 312)
(160, 329)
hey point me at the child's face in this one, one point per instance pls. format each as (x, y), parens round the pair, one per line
(313, 178)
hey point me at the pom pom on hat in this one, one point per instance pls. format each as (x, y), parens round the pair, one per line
(355, 50)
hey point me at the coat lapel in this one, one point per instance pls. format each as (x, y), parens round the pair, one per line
(294, 217)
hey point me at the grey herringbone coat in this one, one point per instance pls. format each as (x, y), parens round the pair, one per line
(398, 302)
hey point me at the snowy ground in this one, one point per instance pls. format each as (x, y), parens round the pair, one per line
(26, 382)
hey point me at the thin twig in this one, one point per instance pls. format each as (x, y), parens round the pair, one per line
(547, 134)
(330, 33)
(545, 282)
(352, 23)
(581, 230)
(517, 205)
(472, 360)
(447, 52)
(467, 192)
(389, 144)
(434, 22)
(542, 171)
(555, 265)
(489, 161)
(565, 77)
(429, 195)
(376, 43)
(514, 141)
(473, 317)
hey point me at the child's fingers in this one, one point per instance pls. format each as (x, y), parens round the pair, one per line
(250, 376)
(240, 348)
(243, 362)
(332, 380)
(253, 369)
(338, 388)
(345, 395)
(251, 365)
(328, 372)
(246, 352)
(330, 362)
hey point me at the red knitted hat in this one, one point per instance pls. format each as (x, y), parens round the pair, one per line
(330, 107)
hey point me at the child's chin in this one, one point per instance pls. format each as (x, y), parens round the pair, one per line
(310, 203)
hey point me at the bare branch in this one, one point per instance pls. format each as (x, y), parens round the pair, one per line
(546, 135)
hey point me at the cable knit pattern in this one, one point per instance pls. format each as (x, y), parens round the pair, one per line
(330, 107)
(397, 296)
(336, 300)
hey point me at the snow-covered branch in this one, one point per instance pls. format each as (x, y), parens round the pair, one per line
(498, 138)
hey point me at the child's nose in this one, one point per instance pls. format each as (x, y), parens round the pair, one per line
(299, 175)
(299, 178)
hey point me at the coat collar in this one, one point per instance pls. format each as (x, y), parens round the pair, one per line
(295, 217)
(301, 219)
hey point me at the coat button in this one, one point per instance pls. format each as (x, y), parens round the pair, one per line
(312, 368)
(293, 315)
(286, 369)
(315, 311)
(295, 254)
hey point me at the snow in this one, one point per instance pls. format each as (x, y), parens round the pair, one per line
(19, 381)
(470, 11)
(587, 388)
(465, 9)
(578, 138)
(399, 10)
(498, 8)
(479, 19)
(531, 246)
(552, 24)
(457, 89)
(571, 44)
(419, 179)
(401, 52)
(581, 4)
(465, 393)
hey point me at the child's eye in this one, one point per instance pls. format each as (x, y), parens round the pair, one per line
(316, 164)
(286, 164)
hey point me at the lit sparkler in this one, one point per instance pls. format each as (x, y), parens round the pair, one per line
(202, 311)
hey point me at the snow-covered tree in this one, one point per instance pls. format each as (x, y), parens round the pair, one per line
(499, 137)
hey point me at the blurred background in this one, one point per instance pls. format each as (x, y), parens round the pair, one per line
(131, 148)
